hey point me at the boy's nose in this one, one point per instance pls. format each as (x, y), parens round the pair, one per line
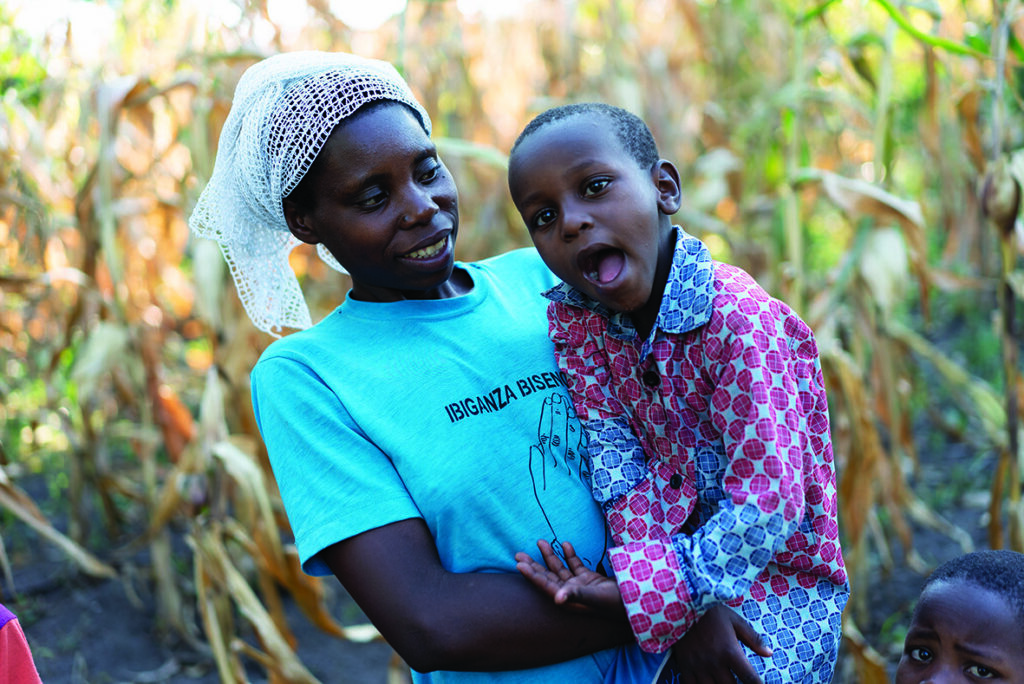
(574, 220)
(943, 675)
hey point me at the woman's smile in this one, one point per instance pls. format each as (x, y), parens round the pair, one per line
(432, 250)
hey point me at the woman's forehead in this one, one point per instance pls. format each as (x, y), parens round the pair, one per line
(376, 138)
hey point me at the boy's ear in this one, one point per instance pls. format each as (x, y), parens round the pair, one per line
(298, 221)
(666, 180)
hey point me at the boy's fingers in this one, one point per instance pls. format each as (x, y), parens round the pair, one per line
(571, 559)
(743, 670)
(552, 560)
(750, 637)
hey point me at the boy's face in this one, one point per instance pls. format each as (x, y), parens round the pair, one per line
(599, 221)
(962, 633)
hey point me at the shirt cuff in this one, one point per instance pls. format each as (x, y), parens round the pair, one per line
(654, 592)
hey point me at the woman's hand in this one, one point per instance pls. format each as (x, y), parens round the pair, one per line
(572, 584)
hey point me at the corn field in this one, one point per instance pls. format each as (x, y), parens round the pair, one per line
(862, 159)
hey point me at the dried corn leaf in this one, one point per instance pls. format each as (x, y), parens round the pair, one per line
(5, 566)
(859, 477)
(398, 671)
(283, 659)
(243, 468)
(208, 271)
(228, 666)
(14, 500)
(305, 590)
(104, 349)
(884, 266)
(362, 634)
(869, 663)
(973, 394)
(174, 420)
(862, 199)
(1016, 282)
(309, 594)
(486, 154)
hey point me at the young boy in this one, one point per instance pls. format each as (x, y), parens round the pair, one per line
(702, 398)
(969, 622)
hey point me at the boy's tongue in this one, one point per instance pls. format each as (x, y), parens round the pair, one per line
(609, 265)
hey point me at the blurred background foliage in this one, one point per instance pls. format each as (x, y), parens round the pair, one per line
(863, 159)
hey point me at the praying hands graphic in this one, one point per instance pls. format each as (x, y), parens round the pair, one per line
(561, 443)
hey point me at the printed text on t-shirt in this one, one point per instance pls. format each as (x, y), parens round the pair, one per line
(499, 397)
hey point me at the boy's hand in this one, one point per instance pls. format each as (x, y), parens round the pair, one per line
(710, 652)
(572, 584)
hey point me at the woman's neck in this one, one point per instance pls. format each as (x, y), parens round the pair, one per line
(458, 283)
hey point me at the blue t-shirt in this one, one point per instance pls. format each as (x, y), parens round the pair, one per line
(448, 410)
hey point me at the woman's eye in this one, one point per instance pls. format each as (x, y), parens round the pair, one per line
(595, 186)
(430, 173)
(921, 655)
(543, 218)
(371, 200)
(982, 672)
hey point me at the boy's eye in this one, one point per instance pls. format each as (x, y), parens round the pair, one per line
(543, 218)
(982, 672)
(595, 186)
(921, 655)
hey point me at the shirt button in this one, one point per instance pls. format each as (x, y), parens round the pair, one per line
(676, 482)
(651, 378)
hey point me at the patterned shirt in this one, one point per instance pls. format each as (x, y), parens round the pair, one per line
(711, 456)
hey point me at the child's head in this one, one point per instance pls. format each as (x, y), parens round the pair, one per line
(587, 180)
(969, 622)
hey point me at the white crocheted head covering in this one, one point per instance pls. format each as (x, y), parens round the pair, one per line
(284, 109)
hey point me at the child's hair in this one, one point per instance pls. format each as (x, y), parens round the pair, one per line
(999, 571)
(632, 132)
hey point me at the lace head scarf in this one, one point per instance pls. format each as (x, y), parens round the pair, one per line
(283, 111)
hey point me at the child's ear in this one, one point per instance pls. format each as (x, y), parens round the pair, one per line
(666, 180)
(298, 222)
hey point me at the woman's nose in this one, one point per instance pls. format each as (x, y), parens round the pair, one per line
(420, 207)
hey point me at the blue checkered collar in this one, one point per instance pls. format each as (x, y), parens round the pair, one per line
(685, 306)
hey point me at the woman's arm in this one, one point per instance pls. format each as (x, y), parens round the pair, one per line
(439, 620)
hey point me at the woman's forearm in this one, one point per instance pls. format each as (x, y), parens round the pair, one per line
(438, 620)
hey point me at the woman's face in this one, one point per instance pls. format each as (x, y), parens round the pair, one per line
(384, 205)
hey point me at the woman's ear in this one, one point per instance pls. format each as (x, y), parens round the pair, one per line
(666, 180)
(298, 222)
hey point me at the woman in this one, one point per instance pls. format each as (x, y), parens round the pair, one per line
(421, 433)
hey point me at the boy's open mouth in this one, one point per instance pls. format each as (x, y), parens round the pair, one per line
(602, 266)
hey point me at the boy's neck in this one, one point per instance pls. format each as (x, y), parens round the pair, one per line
(646, 316)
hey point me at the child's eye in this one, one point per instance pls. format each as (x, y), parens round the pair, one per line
(982, 672)
(921, 655)
(595, 186)
(542, 218)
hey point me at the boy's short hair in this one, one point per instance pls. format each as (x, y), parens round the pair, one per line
(630, 129)
(1000, 571)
